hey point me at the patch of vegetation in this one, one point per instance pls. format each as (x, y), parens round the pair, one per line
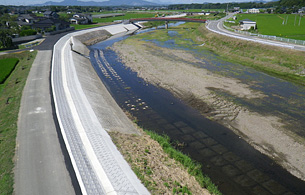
(27, 45)
(153, 24)
(7, 66)
(178, 189)
(209, 17)
(10, 97)
(283, 63)
(27, 32)
(193, 168)
(160, 173)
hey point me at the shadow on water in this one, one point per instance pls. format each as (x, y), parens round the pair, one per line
(235, 166)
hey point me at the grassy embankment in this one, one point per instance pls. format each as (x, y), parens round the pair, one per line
(279, 62)
(290, 26)
(160, 167)
(10, 97)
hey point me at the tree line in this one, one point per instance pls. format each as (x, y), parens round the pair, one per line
(283, 4)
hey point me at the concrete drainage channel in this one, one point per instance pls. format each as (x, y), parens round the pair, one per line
(98, 165)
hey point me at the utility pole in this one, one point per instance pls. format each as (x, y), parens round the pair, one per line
(286, 20)
(300, 19)
(227, 9)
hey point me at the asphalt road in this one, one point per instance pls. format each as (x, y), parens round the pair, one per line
(42, 163)
(217, 27)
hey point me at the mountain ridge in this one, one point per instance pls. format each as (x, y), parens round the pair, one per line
(96, 3)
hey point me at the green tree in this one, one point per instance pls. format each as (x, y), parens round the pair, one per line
(5, 39)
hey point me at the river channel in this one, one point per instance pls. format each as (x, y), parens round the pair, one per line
(232, 164)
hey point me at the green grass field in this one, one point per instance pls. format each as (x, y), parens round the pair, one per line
(280, 25)
(6, 67)
(10, 97)
(102, 21)
(83, 26)
(196, 10)
(126, 17)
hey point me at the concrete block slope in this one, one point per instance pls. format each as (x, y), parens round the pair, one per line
(115, 29)
(99, 166)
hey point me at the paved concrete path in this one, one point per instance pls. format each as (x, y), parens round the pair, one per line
(41, 167)
(217, 27)
(99, 167)
(75, 156)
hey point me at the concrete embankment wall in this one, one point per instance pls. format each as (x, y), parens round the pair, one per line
(85, 111)
(100, 99)
(80, 42)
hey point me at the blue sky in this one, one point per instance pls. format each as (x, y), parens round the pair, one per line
(29, 2)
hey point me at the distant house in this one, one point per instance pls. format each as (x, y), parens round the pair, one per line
(253, 11)
(247, 24)
(50, 14)
(236, 9)
(81, 19)
(302, 10)
(27, 19)
(49, 23)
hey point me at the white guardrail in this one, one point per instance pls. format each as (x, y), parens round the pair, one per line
(275, 38)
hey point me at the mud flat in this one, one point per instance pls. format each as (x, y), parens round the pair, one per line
(174, 70)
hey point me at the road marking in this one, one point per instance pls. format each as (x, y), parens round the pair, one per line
(38, 110)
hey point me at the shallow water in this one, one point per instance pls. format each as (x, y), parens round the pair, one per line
(231, 163)
(283, 99)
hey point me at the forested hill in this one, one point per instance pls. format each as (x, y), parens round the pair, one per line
(291, 3)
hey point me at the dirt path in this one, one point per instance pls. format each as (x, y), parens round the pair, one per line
(174, 70)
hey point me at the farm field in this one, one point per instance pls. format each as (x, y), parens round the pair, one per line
(126, 17)
(198, 10)
(280, 25)
(83, 26)
(6, 67)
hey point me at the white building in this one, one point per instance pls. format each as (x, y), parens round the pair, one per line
(247, 24)
(253, 11)
(81, 19)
